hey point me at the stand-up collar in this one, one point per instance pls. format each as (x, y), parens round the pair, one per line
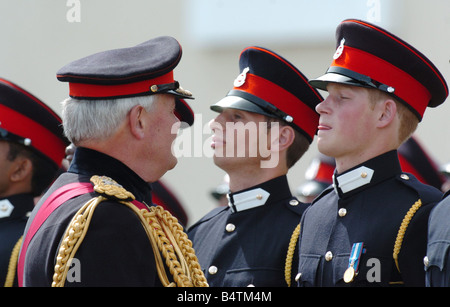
(89, 162)
(270, 191)
(367, 174)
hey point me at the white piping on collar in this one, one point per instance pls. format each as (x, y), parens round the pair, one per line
(354, 179)
(248, 199)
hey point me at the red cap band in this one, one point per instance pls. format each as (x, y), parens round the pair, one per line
(83, 90)
(406, 87)
(304, 117)
(41, 138)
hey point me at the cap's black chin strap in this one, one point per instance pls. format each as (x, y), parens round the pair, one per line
(363, 79)
(174, 86)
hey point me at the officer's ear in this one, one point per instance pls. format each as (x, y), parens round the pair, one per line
(136, 121)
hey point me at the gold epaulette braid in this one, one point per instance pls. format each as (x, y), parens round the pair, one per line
(165, 234)
(401, 232)
(290, 255)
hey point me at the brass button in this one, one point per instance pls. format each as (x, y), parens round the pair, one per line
(404, 177)
(342, 212)
(293, 202)
(328, 256)
(426, 261)
(213, 270)
(230, 227)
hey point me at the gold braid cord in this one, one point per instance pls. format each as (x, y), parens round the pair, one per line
(9, 281)
(290, 255)
(401, 232)
(165, 234)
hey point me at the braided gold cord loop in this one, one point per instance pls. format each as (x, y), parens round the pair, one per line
(401, 232)
(9, 281)
(165, 234)
(290, 255)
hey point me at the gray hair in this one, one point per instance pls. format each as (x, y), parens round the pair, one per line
(89, 120)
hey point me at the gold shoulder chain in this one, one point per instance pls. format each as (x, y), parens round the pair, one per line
(165, 234)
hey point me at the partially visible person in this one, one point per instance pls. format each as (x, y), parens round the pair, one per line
(220, 192)
(437, 259)
(31, 152)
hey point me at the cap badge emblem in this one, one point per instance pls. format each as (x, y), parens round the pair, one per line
(339, 50)
(241, 78)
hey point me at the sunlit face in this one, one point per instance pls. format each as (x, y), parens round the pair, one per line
(162, 131)
(346, 122)
(240, 140)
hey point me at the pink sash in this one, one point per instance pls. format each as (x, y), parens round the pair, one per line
(56, 199)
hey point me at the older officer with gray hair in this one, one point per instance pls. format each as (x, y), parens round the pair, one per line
(123, 106)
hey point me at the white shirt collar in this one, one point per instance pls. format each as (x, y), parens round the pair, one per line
(247, 200)
(353, 179)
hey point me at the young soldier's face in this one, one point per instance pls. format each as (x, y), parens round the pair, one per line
(346, 122)
(241, 139)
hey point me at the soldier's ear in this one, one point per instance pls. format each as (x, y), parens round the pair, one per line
(388, 112)
(287, 136)
(21, 170)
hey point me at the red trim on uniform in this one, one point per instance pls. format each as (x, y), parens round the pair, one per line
(83, 90)
(407, 47)
(41, 138)
(325, 173)
(304, 117)
(406, 87)
(56, 199)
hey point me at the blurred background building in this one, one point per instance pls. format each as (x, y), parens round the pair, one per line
(41, 36)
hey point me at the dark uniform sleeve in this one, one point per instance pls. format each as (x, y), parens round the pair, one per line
(115, 252)
(437, 261)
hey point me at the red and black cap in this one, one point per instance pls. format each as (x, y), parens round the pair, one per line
(369, 56)
(319, 175)
(145, 69)
(26, 120)
(415, 160)
(270, 85)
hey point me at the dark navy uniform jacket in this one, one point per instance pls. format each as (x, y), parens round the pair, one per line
(246, 243)
(116, 250)
(437, 261)
(367, 205)
(14, 211)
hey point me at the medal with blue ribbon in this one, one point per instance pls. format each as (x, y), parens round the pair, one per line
(353, 262)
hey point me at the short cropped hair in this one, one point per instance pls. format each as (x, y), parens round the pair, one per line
(298, 147)
(98, 119)
(408, 120)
